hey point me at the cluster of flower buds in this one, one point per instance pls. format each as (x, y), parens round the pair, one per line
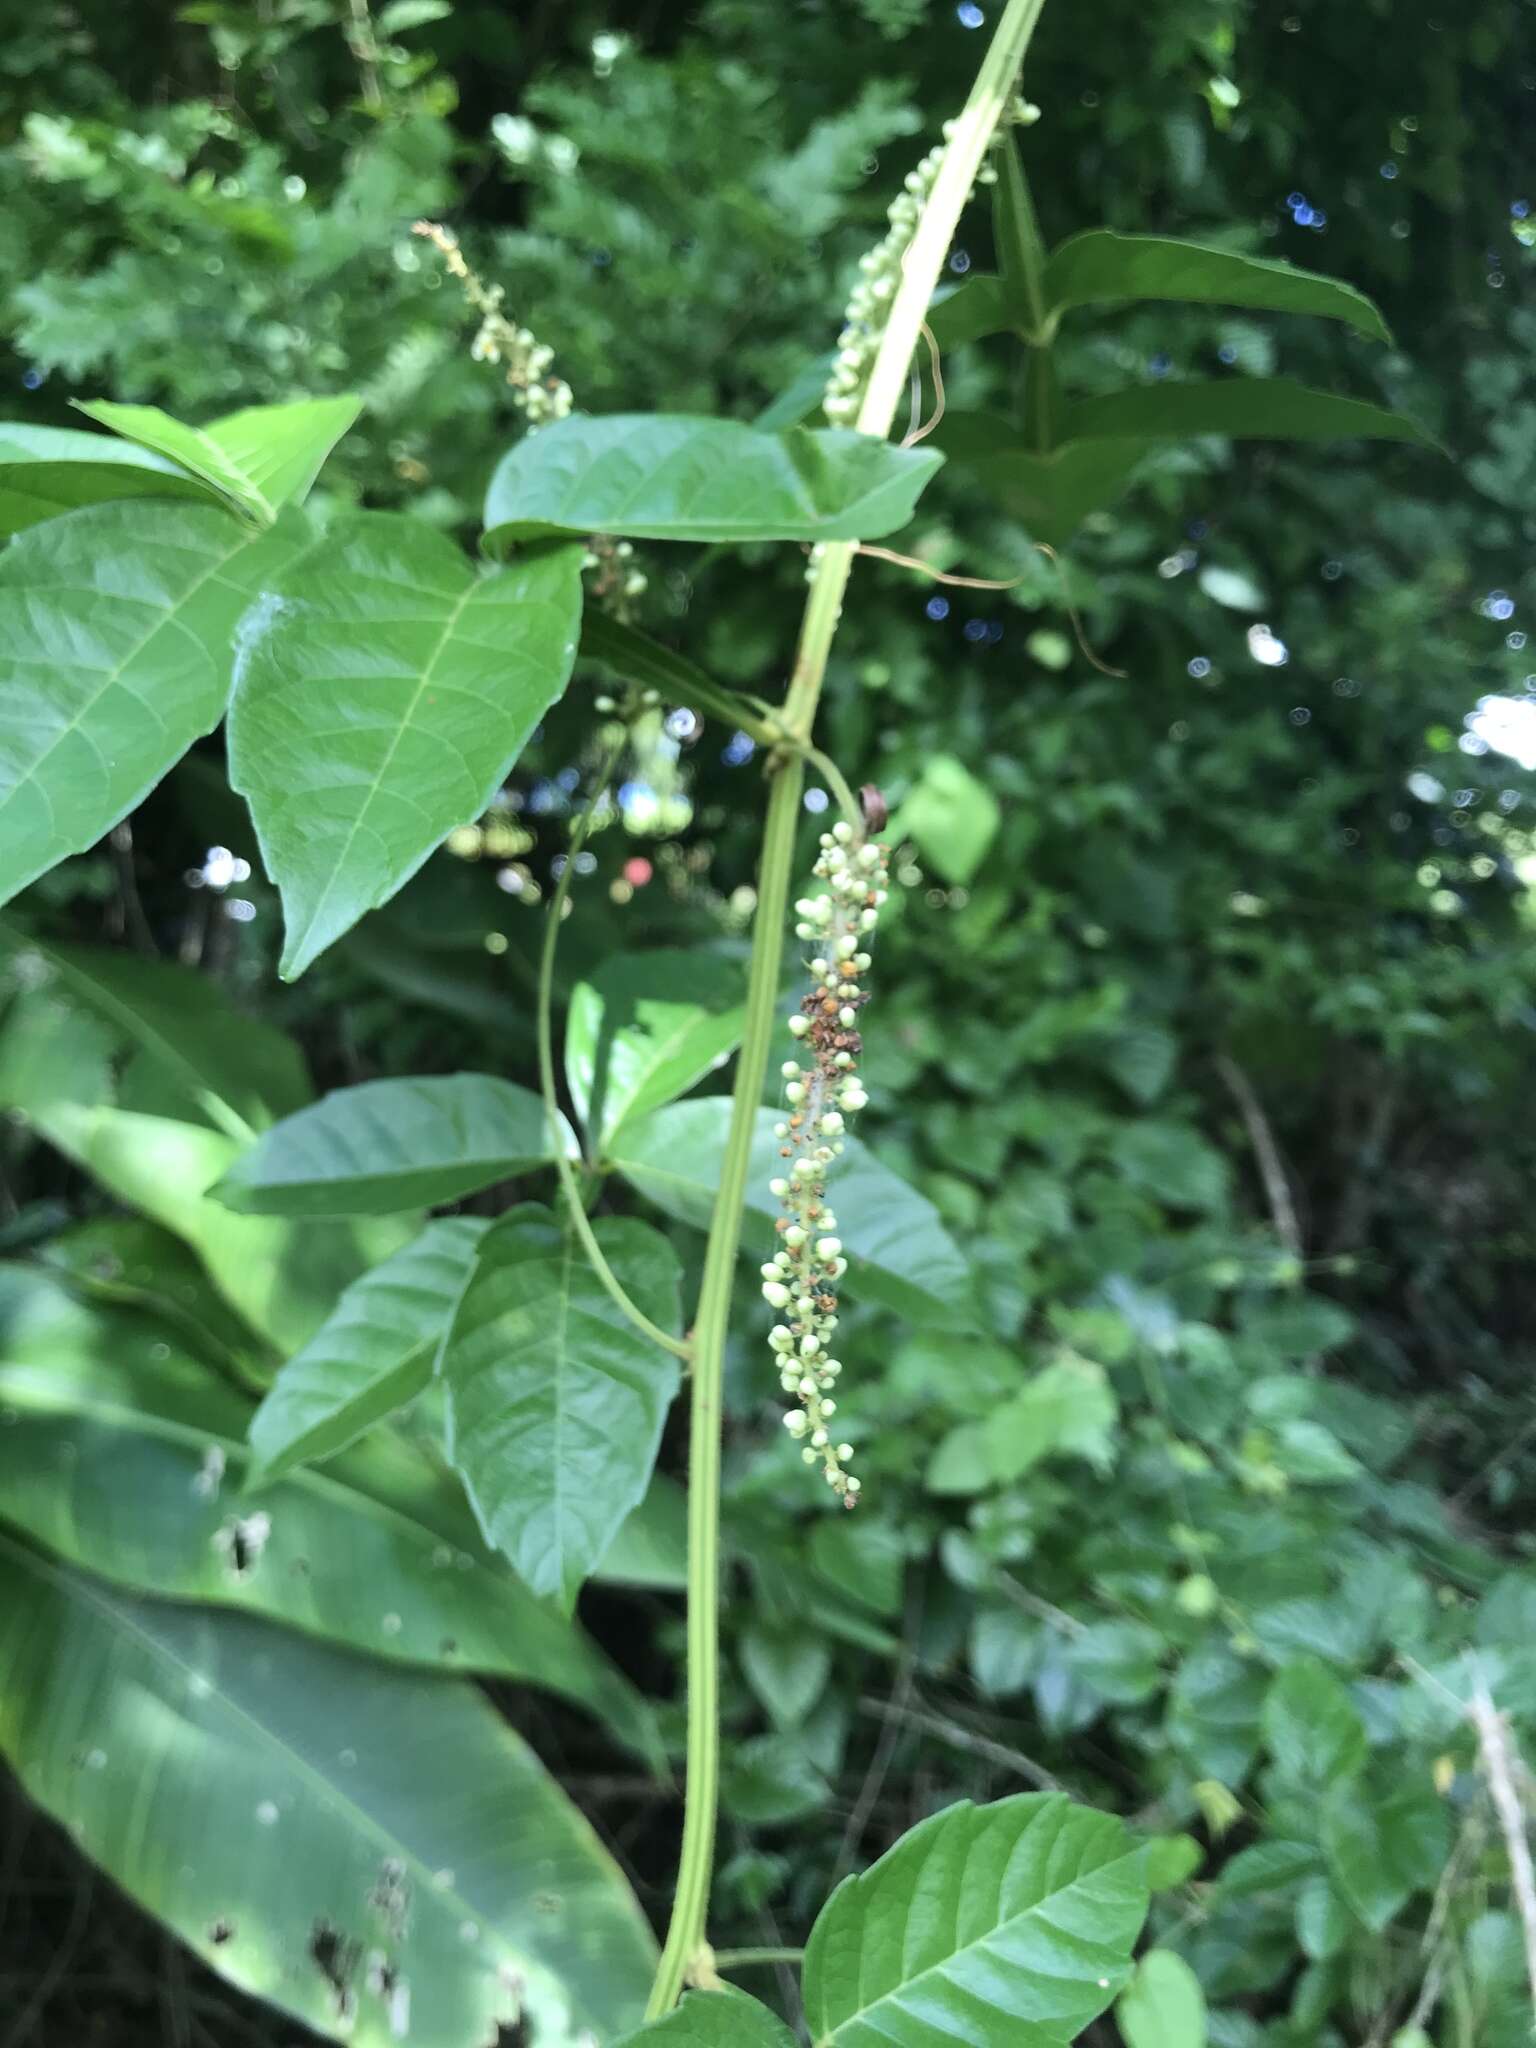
(822, 1089)
(879, 274)
(539, 397)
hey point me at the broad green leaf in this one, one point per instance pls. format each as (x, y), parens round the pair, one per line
(972, 310)
(713, 2019)
(643, 1030)
(1323, 1921)
(124, 1454)
(259, 458)
(293, 1811)
(672, 477)
(555, 1400)
(282, 1278)
(1384, 1842)
(372, 1354)
(1269, 1866)
(898, 1251)
(1241, 408)
(1163, 2005)
(381, 699)
(1101, 265)
(48, 470)
(1121, 1660)
(387, 1146)
(952, 817)
(235, 1069)
(1002, 1926)
(117, 630)
(1213, 1712)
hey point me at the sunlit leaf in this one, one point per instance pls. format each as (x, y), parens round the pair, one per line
(1241, 408)
(670, 477)
(387, 1146)
(713, 2019)
(293, 1811)
(1002, 1926)
(117, 627)
(381, 698)
(48, 470)
(1163, 2005)
(555, 1399)
(259, 458)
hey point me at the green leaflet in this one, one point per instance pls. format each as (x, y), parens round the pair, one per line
(657, 476)
(555, 1400)
(276, 1802)
(125, 1455)
(1003, 1926)
(387, 1146)
(898, 1251)
(382, 696)
(644, 1029)
(1102, 265)
(48, 470)
(372, 1355)
(258, 459)
(117, 627)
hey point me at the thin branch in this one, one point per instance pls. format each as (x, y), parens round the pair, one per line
(1277, 1189)
(962, 1738)
(1497, 1754)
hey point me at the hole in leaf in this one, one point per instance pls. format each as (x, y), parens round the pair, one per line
(221, 1931)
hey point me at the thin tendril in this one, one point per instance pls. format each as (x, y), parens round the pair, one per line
(1001, 583)
(920, 433)
(575, 1207)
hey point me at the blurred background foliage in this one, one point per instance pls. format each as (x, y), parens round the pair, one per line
(1206, 1018)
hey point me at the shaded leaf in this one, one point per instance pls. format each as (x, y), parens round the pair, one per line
(125, 1455)
(1068, 1409)
(1102, 265)
(644, 1029)
(787, 1669)
(1051, 495)
(117, 627)
(234, 1068)
(289, 1809)
(714, 2019)
(651, 1547)
(1003, 1926)
(387, 1146)
(1383, 1845)
(381, 698)
(555, 1400)
(372, 1354)
(672, 477)
(1241, 408)
(259, 458)
(634, 657)
(973, 309)
(48, 470)
(898, 1251)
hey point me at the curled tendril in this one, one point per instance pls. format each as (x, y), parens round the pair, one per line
(822, 1090)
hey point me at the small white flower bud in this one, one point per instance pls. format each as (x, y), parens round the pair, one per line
(798, 1026)
(853, 1484)
(810, 1345)
(818, 967)
(790, 1070)
(794, 1237)
(819, 1438)
(795, 1422)
(794, 1094)
(778, 1188)
(845, 1452)
(769, 1272)
(842, 1059)
(847, 1018)
(808, 1456)
(780, 1337)
(805, 1169)
(832, 1123)
(828, 1248)
(776, 1294)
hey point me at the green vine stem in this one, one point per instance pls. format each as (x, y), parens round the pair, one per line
(576, 1208)
(968, 139)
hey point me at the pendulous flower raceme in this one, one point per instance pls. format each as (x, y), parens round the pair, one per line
(822, 1090)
